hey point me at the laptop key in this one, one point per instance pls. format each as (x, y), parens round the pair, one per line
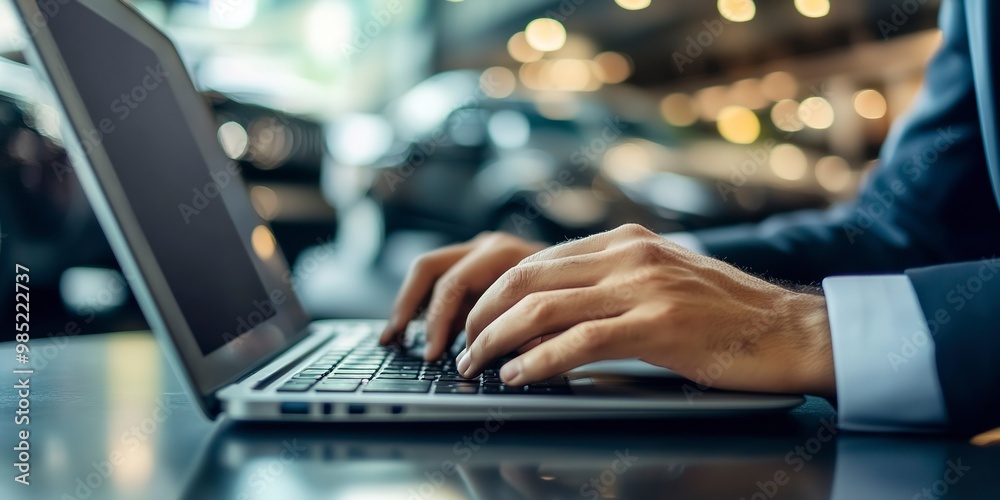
(294, 386)
(412, 386)
(338, 386)
(396, 376)
(457, 389)
(342, 376)
(503, 389)
(548, 391)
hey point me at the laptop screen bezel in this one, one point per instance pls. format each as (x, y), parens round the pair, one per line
(204, 374)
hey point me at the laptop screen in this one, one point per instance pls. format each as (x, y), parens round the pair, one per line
(167, 180)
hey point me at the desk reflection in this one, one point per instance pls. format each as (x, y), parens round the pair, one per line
(112, 398)
(590, 461)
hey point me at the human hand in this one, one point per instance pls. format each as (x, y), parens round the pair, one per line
(450, 280)
(630, 293)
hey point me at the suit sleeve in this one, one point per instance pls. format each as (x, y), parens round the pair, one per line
(961, 303)
(927, 202)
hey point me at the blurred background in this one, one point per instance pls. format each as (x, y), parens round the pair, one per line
(371, 131)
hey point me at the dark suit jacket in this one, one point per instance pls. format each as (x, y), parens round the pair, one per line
(930, 209)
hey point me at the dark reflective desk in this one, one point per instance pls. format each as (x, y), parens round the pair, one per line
(109, 420)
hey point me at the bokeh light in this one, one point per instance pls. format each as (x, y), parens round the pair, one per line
(833, 173)
(816, 112)
(679, 110)
(813, 8)
(788, 162)
(633, 4)
(738, 124)
(785, 116)
(498, 82)
(779, 85)
(615, 68)
(520, 50)
(737, 11)
(545, 34)
(870, 104)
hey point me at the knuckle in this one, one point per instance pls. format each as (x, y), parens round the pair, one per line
(422, 263)
(537, 306)
(649, 251)
(633, 230)
(591, 336)
(516, 280)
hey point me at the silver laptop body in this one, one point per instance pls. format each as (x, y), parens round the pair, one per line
(214, 286)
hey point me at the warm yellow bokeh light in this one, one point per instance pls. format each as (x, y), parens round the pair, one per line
(497, 82)
(536, 75)
(738, 125)
(519, 49)
(570, 74)
(615, 68)
(788, 162)
(737, 11)
(870, 104)
(545, 34)
(833, 173)
(813, 8)
(633, 4)
(627, 162)
(816, 113)
(265, 202)
(679, 110)
(747, 93)
(262, 241)
(711, 100)
(779, 85)
(785, 116)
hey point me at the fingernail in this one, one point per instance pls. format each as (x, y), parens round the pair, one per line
(464, 361)
(461, 353)
(510, 371)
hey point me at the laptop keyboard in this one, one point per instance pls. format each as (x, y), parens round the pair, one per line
(374, 368)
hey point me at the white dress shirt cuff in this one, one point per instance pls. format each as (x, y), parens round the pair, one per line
(883, 356)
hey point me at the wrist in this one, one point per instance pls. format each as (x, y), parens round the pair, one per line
(809, 331)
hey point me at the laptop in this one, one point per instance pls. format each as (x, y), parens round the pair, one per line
(214, 286)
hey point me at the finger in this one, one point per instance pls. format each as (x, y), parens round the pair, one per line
(524, 279)
(421, 276)
(591, 244)
(538, 315)
(609, 338)
(474, 272)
